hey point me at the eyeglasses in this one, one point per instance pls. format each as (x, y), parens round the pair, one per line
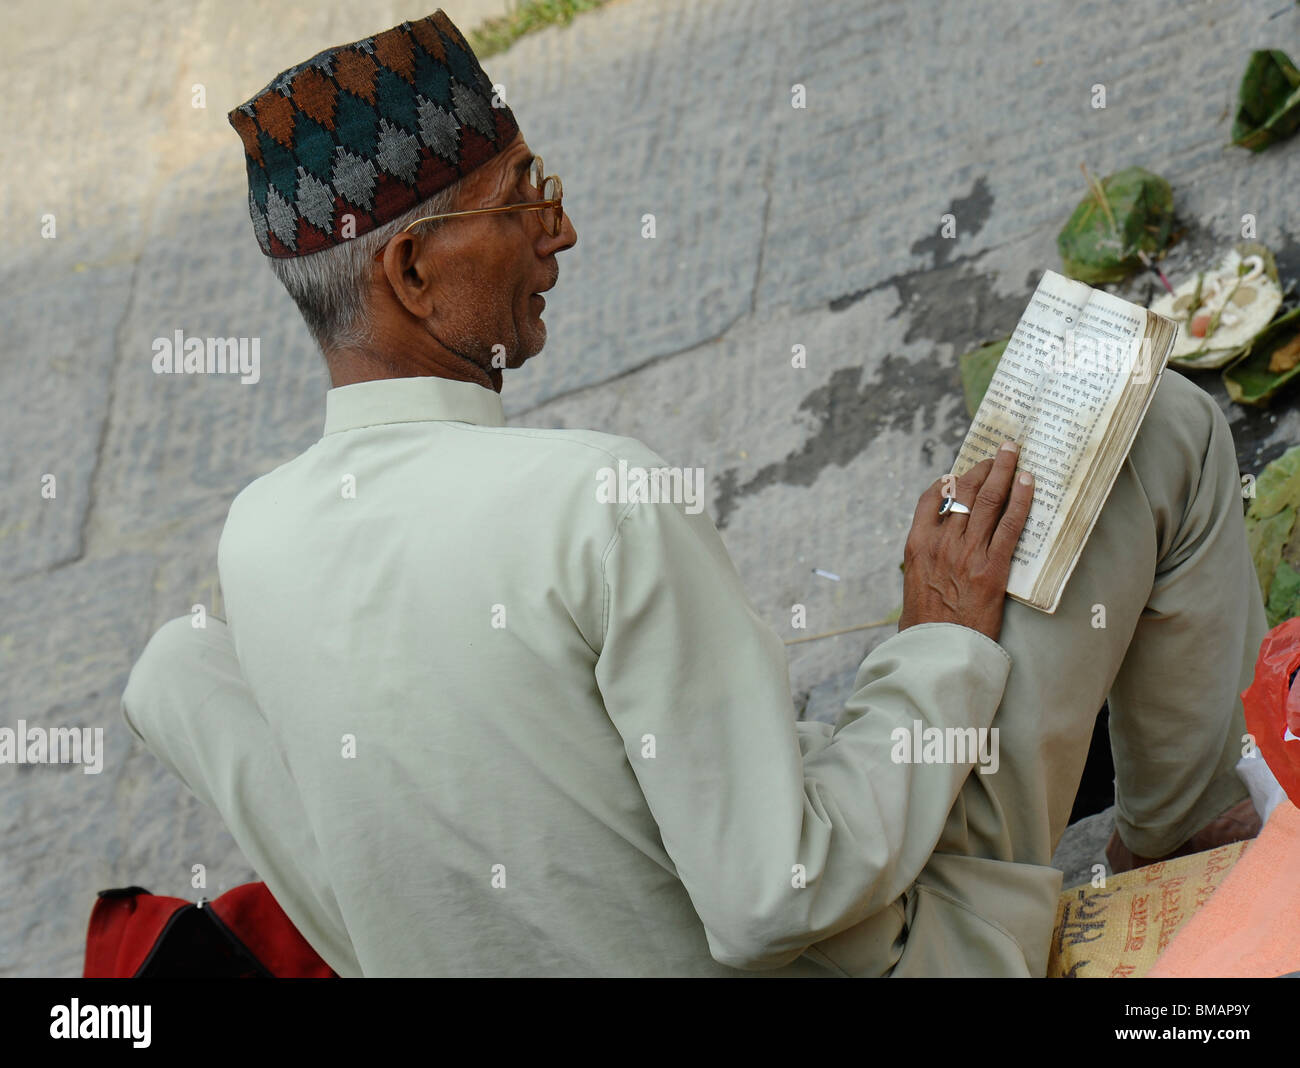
(549, 186)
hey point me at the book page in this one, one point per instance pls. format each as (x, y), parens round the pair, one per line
(1013, 400)
(1055, 389)
(1132, 344)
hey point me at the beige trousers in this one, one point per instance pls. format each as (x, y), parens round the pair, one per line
(1162, 615)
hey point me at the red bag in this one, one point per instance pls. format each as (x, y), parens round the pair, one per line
(1272, 705)
(243, 934)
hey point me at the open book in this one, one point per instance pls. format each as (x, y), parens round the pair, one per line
(1072, 387)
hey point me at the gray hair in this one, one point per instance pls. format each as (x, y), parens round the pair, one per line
(331, 287)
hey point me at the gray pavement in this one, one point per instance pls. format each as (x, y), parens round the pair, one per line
(775, 227)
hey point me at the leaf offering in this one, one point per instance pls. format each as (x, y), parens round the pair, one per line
(1125, 215)
(1271, 535)
(1221, 311)
(1273, 360)
(1268, 102)
(977, 367)
(1284, 596)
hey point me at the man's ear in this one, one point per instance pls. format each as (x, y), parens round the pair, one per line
(409, 267)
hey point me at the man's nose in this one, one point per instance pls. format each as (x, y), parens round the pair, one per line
(566, 238)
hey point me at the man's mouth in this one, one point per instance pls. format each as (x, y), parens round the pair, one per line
(538, 295)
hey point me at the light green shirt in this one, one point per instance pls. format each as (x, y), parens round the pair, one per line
(504, 728)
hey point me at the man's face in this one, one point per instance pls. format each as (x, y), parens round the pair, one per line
(489, 268)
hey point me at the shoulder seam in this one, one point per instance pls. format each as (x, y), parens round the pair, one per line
(604, 581)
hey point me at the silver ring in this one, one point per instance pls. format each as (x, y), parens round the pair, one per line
(951, 504)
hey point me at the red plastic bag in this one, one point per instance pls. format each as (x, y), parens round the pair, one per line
(1272, 705)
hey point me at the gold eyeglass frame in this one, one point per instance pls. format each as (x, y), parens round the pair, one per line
(539, 178)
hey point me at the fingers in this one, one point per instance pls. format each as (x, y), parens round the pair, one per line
(926, 515)
(1007, 534)
(987, 507)
(966, 491)
(983, 489)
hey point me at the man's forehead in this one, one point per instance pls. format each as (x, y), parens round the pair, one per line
(517, 157)
(506, 170)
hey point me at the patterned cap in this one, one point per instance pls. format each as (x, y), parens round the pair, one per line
(365, 131)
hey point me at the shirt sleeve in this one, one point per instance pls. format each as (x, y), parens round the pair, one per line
(782, 833)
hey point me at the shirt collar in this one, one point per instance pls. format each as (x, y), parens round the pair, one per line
(411, 400)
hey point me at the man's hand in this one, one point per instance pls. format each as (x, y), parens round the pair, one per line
(955, 568)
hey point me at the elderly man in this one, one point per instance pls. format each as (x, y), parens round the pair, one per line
(471, 717)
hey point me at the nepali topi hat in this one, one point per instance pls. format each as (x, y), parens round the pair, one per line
(363, 132)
